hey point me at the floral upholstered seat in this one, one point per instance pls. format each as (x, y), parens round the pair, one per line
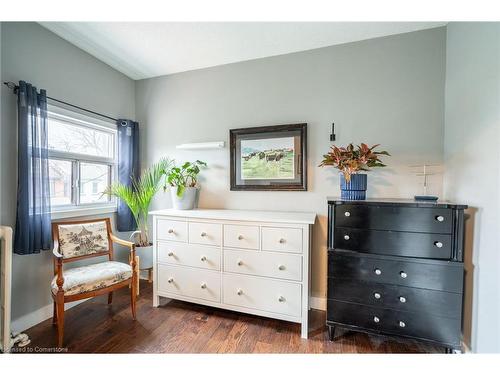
(92, 277)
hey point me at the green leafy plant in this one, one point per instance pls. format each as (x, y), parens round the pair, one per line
(352, 159)
(184, 176)
(139, 195)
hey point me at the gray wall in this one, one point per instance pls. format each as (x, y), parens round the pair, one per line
(388, 90)
(472, 157)
(34, 54)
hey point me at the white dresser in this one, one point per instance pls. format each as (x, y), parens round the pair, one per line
(255, 262)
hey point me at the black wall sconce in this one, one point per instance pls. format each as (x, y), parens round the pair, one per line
(332, 136)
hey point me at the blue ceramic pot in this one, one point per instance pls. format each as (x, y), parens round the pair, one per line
(354, 189)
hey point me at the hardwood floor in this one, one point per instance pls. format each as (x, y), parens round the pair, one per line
(179, 327)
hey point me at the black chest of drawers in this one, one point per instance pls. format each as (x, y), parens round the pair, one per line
(395, 267)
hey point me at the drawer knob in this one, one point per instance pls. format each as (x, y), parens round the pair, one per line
(240, 237)
(203, 286)
(170, 231)
(240, 263)
(347, 213)
(378, 271)
(203, 234)
(282, 240)
(402, 324)
(376, 295)
(403, 274)
(170, 280)
(402, 299)
(281, 299)
(440, 218)
(376, 319)
(239, 292)
(171, 254)
(203, 258)
(281, 267)
(438, 244)
(346, 237)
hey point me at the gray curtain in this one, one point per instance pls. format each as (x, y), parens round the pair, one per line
(128, 168)
(32, 232)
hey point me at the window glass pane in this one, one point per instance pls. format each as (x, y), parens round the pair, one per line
(60, 182)
(68, 137)
(94, 178)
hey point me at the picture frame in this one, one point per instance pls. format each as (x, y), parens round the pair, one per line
(269, 158)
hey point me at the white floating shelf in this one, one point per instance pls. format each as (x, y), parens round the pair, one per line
(200, 146)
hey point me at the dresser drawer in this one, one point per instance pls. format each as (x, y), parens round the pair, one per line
(189, 255)
(172, 230)
(423, 326)
(427, 274)
(205, 233)
(282, 239)
(418, 245)
(281, 266)
(396, 297)
(262, 294)
(189, 282)
(409, 219)
(242, 236)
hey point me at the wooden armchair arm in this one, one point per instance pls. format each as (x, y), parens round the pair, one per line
(58, 267)
(117, 240)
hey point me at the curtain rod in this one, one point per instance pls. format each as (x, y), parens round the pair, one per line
(14, 87)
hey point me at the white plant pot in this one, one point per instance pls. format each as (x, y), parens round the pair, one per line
(188, 201)
(145, 254)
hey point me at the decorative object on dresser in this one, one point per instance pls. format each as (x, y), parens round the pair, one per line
(183, 182)
(395, 267)
(269, 157)
(349, 161)
(255, 262)
(425, 170)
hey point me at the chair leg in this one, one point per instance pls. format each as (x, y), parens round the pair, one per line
(110, 298)
(54, 315)
(60, 320)
(133, 297)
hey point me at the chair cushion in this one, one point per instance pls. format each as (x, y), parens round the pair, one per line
(92, 277)
(83, 239)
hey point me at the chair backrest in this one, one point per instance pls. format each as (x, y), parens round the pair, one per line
(83, 239)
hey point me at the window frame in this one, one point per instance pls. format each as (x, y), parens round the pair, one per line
(76, 208)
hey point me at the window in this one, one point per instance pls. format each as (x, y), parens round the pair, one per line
(82, 160)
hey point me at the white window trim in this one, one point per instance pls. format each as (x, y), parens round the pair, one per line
(88, 209)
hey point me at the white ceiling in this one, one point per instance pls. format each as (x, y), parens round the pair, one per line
(149, 49)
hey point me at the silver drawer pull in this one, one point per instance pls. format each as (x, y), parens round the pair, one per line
(346, 237)
(438, 244)
(171, 254)
(282, 240)
(170, 230)
(240, 237)
(281, 267)
(402, 324)
(377, 271)
(203, 234)
(240, 263)
(203, 258)
(281, 299)
(403, 274)
(440, 218)
(376, 319)
(170, 280)
(239, 292)
(377, 295)
(203, 286)
(347, 213)
(402, 299)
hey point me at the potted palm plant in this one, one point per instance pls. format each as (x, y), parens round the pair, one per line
(138, 198)
(350, 161)
(183, 182)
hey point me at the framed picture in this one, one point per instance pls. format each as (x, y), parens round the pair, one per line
(269, 157)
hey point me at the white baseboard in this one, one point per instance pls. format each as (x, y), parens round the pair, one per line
(317, 303)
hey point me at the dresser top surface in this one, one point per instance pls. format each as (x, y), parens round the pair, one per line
(242, 215)
(398, 202)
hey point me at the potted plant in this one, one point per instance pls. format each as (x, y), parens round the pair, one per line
(350, 161)
(138, 198)
(183, 182)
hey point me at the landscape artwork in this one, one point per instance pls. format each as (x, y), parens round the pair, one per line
(268, 158)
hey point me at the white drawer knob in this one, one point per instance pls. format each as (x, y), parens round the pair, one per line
(402, 324)
(240, 237)
(203, 258)
(281, 267)
(239, 292)
(403, 274)
(240, 263)
(203, 234)
(346, 237)
(171, 254)
(281, 299)
(438, 244)
(170, 280)
(170, 230)
(282, 240)
(377, 271)
(376, 295)
(347, 213)
(440, 218)
(203, 286)
(376, 319)
(402, 299)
